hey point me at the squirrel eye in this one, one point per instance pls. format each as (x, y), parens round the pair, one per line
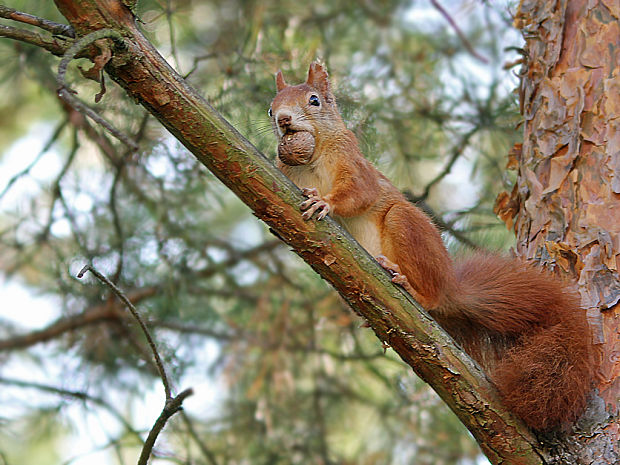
(314, 100)
(269, 112)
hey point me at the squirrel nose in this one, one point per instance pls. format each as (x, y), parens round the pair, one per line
(284, 121)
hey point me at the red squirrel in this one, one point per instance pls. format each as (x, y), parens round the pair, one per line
(524, 327)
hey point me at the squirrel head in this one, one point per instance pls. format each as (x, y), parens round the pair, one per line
(309, 107)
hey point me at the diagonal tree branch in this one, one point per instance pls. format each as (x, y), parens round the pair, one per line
(45, 24)
(92, 316)
(417, 338)
(458, 31)
(54, 45)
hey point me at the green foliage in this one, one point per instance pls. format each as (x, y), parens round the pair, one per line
(297, 380)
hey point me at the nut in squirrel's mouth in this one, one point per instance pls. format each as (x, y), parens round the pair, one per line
(296, 147)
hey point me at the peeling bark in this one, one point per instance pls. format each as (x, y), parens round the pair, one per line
(565, 207)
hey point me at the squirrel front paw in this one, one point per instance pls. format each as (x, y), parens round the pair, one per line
(314, 203)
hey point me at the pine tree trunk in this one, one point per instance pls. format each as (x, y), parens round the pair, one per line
(565, 207)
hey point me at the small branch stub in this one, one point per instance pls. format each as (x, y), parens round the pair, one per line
(67, 94)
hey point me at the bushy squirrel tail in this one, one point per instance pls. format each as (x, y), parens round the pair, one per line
(526, 328)
(546, 379)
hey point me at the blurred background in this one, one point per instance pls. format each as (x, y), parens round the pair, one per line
(281, 369)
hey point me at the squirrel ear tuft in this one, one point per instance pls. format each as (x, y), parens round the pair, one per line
(280, 83)
(318, 78)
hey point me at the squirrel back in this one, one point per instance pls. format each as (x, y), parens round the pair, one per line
(523, 326)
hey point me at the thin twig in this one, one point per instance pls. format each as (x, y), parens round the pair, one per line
(116, 221)
(172, 406)
(83, 396)
(458, 31)
(56, 191)
(171, 35)
(201, 445)
(43, 151)
(50, 26)
(67, 94)
(457, 151)
(136, 315)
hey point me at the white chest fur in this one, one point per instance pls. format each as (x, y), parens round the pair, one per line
(314, 175)
(365, 231)
(362, 227)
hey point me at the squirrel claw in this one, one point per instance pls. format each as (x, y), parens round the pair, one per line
(308, 203)
(388, 265)
(323, 213)
(310, 192)
(313, 204)
(397, 276)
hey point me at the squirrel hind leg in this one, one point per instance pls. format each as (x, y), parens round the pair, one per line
(409, 239)
(399, 278)
(546, 379)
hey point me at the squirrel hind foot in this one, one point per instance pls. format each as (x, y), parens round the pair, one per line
(394, 270)
(399, 278)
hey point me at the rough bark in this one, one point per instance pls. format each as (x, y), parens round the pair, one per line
(565, 207)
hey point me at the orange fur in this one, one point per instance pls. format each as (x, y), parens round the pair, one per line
(523, 326)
